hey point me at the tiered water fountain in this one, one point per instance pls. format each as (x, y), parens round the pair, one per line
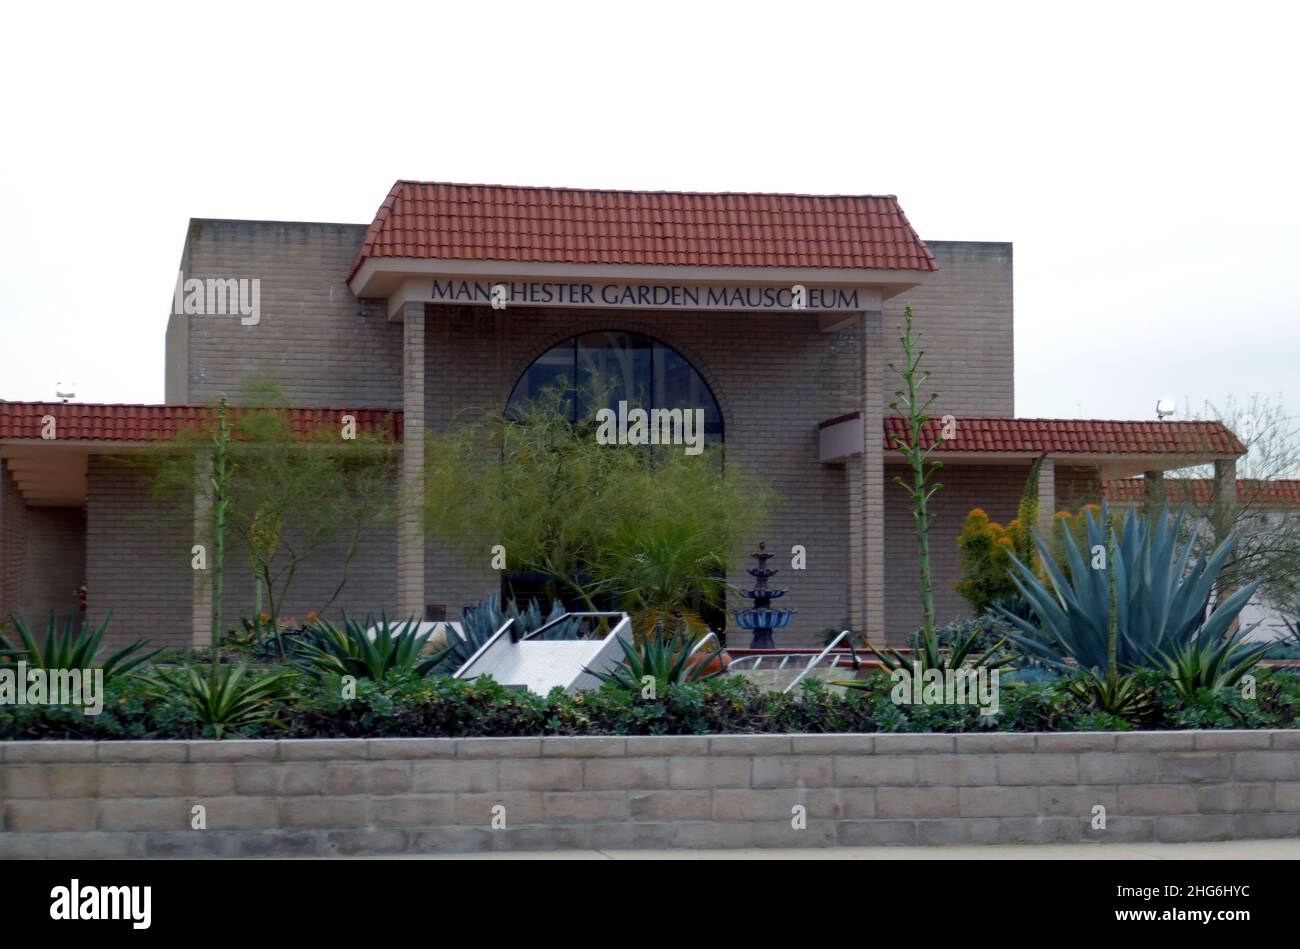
(761, 618)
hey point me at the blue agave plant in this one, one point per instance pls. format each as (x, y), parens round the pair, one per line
(1161, 603)
(481, 622)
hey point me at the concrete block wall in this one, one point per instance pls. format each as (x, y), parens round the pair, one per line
(429, 795)
(966, 311)
(995, 488)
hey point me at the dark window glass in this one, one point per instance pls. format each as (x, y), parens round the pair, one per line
(612, 368)
(553, 369)
(605, 368)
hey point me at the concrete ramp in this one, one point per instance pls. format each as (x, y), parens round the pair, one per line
(537, 664)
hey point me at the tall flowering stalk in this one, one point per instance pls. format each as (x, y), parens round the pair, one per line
(915, 411)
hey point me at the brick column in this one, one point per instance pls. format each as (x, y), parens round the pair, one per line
(410, 527)
(867, 492)
(1153, 491)
(857, 547)
(1046, 497)
(1223, 512)
(1225, 497)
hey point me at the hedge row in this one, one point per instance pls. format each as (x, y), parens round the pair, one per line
(449, 708)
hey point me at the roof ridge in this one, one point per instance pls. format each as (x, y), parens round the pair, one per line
(654, 191)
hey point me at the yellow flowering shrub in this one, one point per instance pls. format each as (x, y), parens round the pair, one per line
(985, 548)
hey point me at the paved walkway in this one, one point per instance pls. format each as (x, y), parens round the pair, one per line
(1226, 850)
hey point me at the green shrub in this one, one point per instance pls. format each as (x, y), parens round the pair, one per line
(985, 632)
(985, 549)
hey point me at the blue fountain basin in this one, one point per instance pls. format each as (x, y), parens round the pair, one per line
(763, 619)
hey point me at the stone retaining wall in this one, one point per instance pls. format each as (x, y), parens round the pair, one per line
(412, 795)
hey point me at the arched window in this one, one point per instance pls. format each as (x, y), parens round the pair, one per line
(625, 367)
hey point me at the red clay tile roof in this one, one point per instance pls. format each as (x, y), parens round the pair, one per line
(143, 422)
(1280, 493)
(569, 226)
(124, 423)
(1081, 436)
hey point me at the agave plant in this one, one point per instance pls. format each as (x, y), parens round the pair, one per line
(667, 659)
(480, 623)
(1160, 603)
(1212, 665)
(484, 619)
(952, 647)
(357, 651)
(73, 647)
(1123, 695)
(223, 697)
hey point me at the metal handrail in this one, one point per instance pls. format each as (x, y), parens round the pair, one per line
(699, 644)
(816, 659)
(822, 655)
(756, 660)
(785, 657)
(567, 616)
(482, 649)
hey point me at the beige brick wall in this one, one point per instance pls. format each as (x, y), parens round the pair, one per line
(140, 566)
(995, 488)
(138, 560)
(1076, 486)
(176, 347)
(370, 588)
(56, 562)
(42, 557)
(966, 313)
(313, 337)
(13, 545)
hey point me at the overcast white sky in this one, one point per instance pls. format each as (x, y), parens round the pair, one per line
(1142, 157)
